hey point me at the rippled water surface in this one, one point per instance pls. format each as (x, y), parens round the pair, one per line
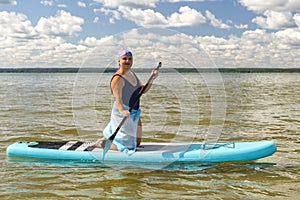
(180, 107)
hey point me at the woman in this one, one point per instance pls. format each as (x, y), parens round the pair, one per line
(125, 87)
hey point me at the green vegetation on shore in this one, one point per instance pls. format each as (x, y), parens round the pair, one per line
(166, 70)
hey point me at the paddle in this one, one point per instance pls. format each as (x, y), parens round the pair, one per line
(108, 142)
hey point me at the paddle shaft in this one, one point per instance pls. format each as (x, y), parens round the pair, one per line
(112, 137)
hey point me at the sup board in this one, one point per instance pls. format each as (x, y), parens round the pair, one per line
(147, 153)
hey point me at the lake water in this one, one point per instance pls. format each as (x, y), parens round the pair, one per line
(180, 107)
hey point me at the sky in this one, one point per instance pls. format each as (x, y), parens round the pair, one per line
(227, 33)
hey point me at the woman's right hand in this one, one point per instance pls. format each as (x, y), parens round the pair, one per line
(125, 113)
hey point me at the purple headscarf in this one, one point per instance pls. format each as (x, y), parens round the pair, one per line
(124, 52)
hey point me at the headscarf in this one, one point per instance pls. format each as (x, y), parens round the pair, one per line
(124, 52)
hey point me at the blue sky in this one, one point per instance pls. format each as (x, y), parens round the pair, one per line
(234, 33)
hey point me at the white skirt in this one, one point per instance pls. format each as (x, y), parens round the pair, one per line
(125, 139)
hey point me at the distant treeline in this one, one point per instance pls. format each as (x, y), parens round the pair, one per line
(139, 70)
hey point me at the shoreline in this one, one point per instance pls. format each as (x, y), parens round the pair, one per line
(140, 70)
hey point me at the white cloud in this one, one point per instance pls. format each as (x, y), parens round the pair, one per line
(256, 48)
(145, 18)
(216, 22)
(275, 5)
(15, 25)
(186, 17)
(63, 24)
(289, 36)
(93, 42)
(275, 20)
(278, 15)
(297, 19)
(142, 14)
(47, 2)
(81, 4)
(257, 36)
(149, 18)
(176, 1)
(115, 14)
(23, 44)
(96, 20)
(128, 3)
(89, 41)
(241, 26)
(11, 2)
(139, 3)
(62, 5)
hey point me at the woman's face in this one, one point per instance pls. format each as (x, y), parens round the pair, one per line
(126, 61)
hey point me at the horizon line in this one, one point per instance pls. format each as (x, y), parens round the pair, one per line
(142, 70)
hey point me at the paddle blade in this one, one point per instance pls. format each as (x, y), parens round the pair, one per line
(107, 145)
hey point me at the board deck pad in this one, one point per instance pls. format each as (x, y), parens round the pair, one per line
(82, 146)
(63, 145)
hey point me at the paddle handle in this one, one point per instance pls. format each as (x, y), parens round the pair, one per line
(150, 79)
(112, 137)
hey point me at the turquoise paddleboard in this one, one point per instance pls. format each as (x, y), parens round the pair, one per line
(147, 153)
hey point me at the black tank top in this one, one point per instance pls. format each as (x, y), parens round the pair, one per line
(130, 93)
